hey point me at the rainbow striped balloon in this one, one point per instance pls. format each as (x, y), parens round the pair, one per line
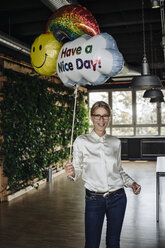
(71, 22)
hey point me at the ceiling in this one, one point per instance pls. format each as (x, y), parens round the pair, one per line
(24, 20)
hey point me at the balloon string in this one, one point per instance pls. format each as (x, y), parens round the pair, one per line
(74, 113)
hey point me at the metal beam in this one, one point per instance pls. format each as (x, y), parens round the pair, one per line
(12, 43)
(56, 4)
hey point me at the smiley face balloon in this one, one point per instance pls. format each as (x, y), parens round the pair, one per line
(44, 54)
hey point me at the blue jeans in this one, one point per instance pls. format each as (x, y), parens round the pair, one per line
(95, 210)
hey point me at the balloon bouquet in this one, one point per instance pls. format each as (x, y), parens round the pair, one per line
(88, 56)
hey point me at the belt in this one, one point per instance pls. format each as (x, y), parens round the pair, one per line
(99, 194)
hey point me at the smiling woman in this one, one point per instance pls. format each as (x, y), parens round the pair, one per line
(97, 157)
(44, 53)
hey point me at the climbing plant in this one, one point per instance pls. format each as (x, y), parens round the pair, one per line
(36, 125)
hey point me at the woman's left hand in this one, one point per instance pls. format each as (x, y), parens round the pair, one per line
(136, 188)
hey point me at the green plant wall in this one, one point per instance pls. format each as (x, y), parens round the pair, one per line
(36, 125)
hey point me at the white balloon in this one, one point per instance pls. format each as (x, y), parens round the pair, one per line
(89, 60)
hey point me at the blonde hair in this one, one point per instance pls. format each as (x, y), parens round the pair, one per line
(100, 104)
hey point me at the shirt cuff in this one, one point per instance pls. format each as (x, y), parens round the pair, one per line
(129, 184)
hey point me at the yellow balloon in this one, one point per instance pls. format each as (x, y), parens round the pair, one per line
(44, 54)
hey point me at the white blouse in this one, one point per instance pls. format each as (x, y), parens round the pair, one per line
(98, 159)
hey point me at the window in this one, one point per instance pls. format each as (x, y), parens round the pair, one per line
(122, 107)
(162, 131)
(163, 110)
(146, 112)
(146, 131)
(131, 113)
(97, 96)
(122, 131)
(122, 113)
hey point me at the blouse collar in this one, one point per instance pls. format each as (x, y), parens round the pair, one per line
(97, 137)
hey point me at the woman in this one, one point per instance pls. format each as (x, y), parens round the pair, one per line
(97, 156)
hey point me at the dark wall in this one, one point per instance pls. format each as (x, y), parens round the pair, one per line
(142, 148)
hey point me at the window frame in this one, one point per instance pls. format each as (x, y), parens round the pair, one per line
(134, 124)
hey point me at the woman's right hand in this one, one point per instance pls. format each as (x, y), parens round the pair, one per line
(69, 169)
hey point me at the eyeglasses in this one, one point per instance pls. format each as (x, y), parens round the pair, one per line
(98, 117)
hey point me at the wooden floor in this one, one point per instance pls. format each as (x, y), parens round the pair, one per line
(53, 216)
